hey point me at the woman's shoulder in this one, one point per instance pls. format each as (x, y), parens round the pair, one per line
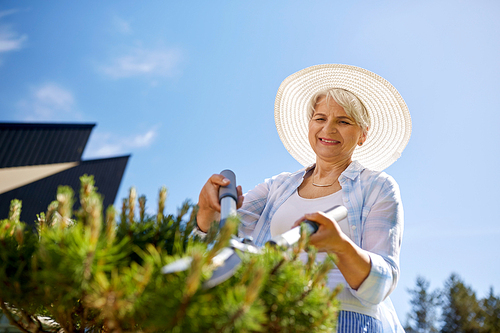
(375, 175)
(273, 184)
(285, 176)
(379, 179)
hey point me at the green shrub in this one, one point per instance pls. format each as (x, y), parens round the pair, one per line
(86, 271)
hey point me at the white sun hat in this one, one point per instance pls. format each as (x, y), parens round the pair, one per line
(390, 127)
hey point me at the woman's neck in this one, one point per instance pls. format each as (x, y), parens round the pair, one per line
(322, 180)
(325, 170)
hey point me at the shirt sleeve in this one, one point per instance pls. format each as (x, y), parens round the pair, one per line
(198, 232)
(253, 205)
(382, 233)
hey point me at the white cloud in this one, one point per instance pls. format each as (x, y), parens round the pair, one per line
(121, 25)
(140, 62)
(55, 97)
(8, 12)
(105, 150)
(144, 140)
(49, 102)
(10, 40)
(107, 144)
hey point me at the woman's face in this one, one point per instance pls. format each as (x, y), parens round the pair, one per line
(333, 135)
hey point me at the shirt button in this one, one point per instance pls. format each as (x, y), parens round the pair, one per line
(353, 227)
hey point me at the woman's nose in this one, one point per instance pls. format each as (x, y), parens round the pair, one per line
(332, 127)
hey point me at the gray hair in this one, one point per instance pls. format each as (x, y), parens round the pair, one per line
(346, 99)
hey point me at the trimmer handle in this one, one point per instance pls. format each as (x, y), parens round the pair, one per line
(292, 236)
(229, 190)
(228, 197)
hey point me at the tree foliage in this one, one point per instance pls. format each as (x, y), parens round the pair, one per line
(458, 306)
(86, 271)
(423, 316)
(461, 310)
(491, 312)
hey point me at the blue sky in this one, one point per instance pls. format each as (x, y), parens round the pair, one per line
(188, 89)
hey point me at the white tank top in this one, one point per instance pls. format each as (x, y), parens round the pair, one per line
(293, 209)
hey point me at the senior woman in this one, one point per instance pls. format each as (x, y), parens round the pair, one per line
(345, 125)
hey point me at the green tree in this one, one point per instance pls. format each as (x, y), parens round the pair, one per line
(491, 313)
(84, 272)
(423, 315)
(461, 311)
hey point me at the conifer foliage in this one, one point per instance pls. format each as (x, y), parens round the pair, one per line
(423, 316)
(86, 271)
(454, 309)
(461, 310)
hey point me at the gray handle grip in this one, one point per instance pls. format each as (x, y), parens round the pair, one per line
(228, 197)
(229, 190)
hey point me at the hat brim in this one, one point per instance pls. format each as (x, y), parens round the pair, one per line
(390, 128)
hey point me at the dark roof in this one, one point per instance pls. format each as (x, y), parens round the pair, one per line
(23, 144)
(38, 195)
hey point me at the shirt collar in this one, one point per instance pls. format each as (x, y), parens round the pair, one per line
(352, 171)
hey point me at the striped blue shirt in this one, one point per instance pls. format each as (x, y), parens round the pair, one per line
(375, 218)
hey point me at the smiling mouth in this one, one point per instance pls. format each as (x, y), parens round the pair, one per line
(328, 141)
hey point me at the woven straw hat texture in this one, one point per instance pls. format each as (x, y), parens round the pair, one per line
(390, 127)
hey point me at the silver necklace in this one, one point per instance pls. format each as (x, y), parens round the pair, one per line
(322, 185)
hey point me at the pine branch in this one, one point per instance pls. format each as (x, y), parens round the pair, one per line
(97, 275)
(29, 322)
(192, 284)
(11, 318)
(276, 267)
(65, 324)
(233, 319)
(181, 313)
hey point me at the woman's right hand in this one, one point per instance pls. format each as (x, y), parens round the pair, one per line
(208, 201)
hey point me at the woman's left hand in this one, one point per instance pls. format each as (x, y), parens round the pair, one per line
(329, 237)
(353, 262)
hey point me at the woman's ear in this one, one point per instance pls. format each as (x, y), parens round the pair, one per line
(363, 137)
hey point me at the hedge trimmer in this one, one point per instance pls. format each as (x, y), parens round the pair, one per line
(229, 259)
